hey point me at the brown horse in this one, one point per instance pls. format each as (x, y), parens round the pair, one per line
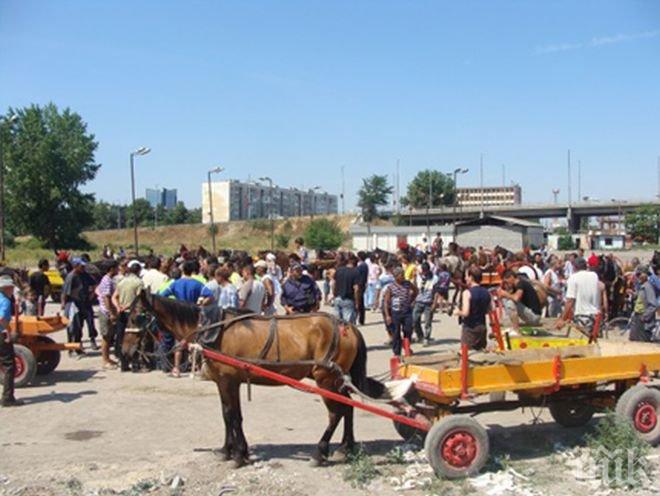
(315, 345)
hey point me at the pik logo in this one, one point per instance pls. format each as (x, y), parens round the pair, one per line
(617, 468)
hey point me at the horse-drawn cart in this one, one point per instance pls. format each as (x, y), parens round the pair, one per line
(36, 352)
(447, 389)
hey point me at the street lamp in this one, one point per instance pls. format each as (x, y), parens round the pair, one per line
(455, 174)
(9, 121)
(555, 192)
(143, 150)
(215, 170)
(270, 210)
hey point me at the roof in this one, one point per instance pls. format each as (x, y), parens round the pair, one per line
(498, 220)
(446, 230)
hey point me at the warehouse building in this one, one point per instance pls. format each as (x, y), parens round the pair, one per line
(494, 230)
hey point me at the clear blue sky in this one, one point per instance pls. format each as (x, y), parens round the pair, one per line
(295, 90)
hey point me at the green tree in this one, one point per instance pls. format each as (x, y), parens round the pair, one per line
(643, 223)
(177, 215)
(439, 186)
(144, 213)
(323, 234)
(194, 216)
(373, 194)
(104, 215)
(48, 155)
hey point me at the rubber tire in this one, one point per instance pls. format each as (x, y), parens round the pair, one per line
(440, 431)
(410, 434)
(623, 400)
(47, 360)
(629, 407)
(571, 413)
(24, 354)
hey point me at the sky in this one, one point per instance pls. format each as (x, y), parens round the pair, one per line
(297, 89)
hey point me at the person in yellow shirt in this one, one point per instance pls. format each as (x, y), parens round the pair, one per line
(409, 268)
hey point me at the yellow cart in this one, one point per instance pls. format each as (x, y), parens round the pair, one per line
(574, 382)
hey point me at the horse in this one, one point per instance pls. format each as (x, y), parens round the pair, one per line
(315, 346)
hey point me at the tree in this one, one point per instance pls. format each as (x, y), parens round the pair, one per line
(177, 215)
(440, 187)
(372, 194)
(48, 156)
(104, 216)
(323, 234)
(144, 211)
(643, 223)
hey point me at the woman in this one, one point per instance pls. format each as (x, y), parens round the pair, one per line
(397, 304)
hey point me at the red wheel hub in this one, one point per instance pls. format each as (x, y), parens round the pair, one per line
(459, 449)
(645, 417)
(19, 365)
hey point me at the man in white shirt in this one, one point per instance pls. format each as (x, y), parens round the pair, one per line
(584, 298)
(252, 293)
(153, 278)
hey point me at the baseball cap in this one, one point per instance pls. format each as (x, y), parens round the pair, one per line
(78, 261)
(270, 257)
(6, 282)
(133, 263)
(261, 263)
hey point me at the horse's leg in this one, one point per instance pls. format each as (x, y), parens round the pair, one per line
(240, 447)
(348, 440)
(226, 450)
(335, 413)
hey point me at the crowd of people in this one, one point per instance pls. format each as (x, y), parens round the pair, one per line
(409, 289)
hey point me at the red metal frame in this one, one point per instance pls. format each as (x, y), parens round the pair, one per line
(308, 388)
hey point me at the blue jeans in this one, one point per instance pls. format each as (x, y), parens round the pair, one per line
(401, 322)
(345, 308)
(370, 295)
(422, 310)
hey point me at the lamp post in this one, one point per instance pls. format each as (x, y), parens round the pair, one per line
(455, 174)
(215, 170)
(9, 121)
(143, 150)
(270, 210)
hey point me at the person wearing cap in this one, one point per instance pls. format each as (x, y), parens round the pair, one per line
(125, 294)
(642, 322)
(261, 269)
(7, 357)
(300, 294)
(75, 296)
(585, 296)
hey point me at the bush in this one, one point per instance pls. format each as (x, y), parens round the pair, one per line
(323, 234)
(282, 240)
(361, 469)
(287, 226)
(565, 242)
(260, 224)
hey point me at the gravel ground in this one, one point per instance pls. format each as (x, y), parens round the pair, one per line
(86, 430)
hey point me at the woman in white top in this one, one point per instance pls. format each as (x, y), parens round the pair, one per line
(551, 280)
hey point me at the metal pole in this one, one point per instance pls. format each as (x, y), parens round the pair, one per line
(428, 208)
(343, 192)
(481, 180)
(569, 178)
(135, 229)
(270, 213)
(2, 196)
(211, 213)
(579, 179)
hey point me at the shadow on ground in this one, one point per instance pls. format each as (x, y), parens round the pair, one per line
(60, 376)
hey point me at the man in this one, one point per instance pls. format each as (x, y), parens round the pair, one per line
(107, 314)
(252, 292)
(584, 297)
(126, 291)
(40, 285)
(569, 265)
(301, 251)
(75, 296)
(363, 276)
(397, 305)
(346, 290)
(475, 305)
(300, 294)
(520, 299)
(371, 300)
(643, 317)
(423, 303)
(153, 278)
(220, 290)
(261, 269)
(7, 338)
(187, 288)
(437, 245)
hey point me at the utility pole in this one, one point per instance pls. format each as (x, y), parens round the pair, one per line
(343, 192)
(481, 180)
(569, 178)
(398, 190)
(503, 176)
(579, 180)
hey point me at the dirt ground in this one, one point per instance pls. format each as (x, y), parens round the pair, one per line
(87, 431)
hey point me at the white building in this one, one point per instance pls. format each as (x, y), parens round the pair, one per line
(236, 200)
(489, 196)
(388, 238)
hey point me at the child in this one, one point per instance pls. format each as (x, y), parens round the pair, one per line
(30, 303)
(441, 289)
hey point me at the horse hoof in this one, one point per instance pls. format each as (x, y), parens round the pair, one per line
(316, 462)
(339, 456)
(223, 454)
(238, 462)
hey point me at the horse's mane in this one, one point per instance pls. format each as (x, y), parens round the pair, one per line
(181, 312)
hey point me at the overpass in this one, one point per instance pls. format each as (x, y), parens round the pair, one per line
(573, 212)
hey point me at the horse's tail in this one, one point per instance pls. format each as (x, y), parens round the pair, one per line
(367, 385)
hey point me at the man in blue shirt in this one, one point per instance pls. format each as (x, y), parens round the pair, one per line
(300, 294)
(187, 288)
(6, 343)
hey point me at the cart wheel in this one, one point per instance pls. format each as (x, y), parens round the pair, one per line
(47, 360)
(410, 434)
(26, 366)
(640, 406)
(571, 413)
(456, 447)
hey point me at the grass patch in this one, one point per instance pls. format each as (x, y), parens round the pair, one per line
(361, 469)
(618, 454)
